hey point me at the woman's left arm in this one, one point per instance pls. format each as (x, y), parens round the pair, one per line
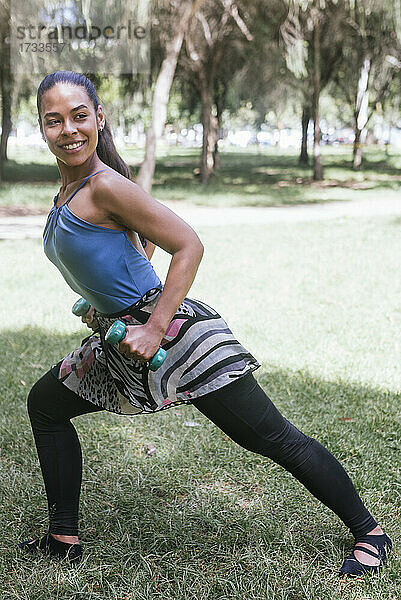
(128, 205)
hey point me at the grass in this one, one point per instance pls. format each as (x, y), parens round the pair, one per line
(246, 178)
(319, 304)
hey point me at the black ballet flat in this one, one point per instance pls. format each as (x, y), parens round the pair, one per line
(352, 567)
(54, 548)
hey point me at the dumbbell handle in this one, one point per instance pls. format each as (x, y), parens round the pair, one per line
(81, 307)
(117, 332)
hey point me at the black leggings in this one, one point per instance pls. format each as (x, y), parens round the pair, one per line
(241, 409)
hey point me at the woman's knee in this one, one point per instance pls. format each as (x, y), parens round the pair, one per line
(50, 400)
(39, 401)
(34, 399)
(288, 447)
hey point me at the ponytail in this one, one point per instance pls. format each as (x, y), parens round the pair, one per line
(108, 154)
(105, 148)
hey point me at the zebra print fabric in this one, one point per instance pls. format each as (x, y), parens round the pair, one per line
(202, 356)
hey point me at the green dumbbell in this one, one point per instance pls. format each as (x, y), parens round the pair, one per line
(117, 332)
(81, 307)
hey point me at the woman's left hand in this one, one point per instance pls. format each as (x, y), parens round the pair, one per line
(141, 342)
(90, 319)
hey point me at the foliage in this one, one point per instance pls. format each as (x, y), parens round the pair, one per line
(370, 32)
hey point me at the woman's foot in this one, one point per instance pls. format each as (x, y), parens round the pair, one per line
(57, 548)
(366, 558)
(372, 554)
(68, 539)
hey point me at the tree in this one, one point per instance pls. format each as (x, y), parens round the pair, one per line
(316, 16)
(372, 59)
(216, 29)
(5, 81)
(312, 39)
(391, 107)
(263, 79)
(179, 19)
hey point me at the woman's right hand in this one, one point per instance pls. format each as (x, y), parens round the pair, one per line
(90, 319)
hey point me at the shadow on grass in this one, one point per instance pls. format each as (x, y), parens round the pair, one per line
(246, 178)
(29, 172)
(371, 163)
(270, 179)
(26, 354)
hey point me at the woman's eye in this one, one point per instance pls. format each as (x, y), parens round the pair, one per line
(81, 115)
(52, 122)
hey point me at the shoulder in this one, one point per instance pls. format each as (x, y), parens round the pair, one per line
(119, 198)
(110, 185)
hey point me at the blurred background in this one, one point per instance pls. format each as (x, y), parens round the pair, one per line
(277, 77)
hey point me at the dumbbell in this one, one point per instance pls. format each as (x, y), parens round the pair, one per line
(81, 307)
(117, 332)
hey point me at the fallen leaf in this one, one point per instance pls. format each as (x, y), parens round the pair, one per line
(150, 449)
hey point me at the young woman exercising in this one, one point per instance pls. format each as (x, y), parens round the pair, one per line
(100, 234)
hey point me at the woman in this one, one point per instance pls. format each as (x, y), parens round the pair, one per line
(93, 235)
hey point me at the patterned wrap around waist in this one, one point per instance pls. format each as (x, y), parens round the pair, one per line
(202, 356)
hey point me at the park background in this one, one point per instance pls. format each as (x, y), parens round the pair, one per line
(274, 128)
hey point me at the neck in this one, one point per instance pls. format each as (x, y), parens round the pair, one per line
(70, 174)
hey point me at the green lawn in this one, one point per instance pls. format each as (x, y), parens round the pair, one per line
(246, 178)
(319, 304)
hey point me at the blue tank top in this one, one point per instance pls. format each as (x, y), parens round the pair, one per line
(99, 263)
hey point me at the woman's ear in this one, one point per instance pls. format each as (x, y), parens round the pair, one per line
(100, 118)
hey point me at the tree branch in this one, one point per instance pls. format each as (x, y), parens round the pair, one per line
(232, 9)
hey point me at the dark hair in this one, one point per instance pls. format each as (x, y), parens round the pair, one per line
(105, 148)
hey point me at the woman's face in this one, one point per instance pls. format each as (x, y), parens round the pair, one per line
(69, 123)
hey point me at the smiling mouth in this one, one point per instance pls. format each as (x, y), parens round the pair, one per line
(73, 146)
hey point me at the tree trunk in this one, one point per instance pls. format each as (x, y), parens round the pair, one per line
(161, 97)
(317, 159)
(306, 114)
(213, 140)
(216, 155)
(208, 137)
(357, 150)
(6, 95)
(361, 113)
(219, 102)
